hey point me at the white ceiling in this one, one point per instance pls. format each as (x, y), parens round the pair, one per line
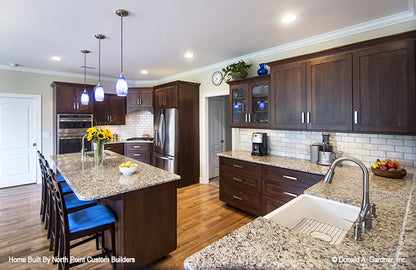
(158, 33)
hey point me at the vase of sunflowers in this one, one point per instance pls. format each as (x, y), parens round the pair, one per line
(99, 137)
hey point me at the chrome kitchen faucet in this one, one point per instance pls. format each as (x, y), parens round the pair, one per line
(367, 211)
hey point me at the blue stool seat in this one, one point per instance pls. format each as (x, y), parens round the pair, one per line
(71, 201)
(89, 218)
(65, 187)
(60, 178)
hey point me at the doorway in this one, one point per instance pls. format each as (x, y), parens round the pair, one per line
(19, 138)
(219, 133)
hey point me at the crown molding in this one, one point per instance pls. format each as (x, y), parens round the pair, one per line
(336, 34)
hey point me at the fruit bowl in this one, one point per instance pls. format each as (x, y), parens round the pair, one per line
(389, 174)
(128, 170)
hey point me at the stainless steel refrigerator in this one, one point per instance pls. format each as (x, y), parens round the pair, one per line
(165, 149)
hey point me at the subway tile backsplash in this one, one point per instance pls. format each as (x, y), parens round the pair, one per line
(366, 147)
(137, 124)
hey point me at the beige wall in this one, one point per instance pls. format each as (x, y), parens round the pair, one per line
(32, 83)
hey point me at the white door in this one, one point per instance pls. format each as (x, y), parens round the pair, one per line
(217, 133)
(18, 117)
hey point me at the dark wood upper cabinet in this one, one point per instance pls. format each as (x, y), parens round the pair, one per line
(67, 97)
(111, 111)
(384, 88)
(249, 102)
(288, 83)
(166, 97)
(139, 98)
(314, 94)
(363, 87)
(329, 93)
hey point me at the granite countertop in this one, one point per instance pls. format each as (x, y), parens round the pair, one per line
(263, 244)
(90, 181)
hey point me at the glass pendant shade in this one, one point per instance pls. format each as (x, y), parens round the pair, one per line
(85, 99)
(99, 93)
(121, 86)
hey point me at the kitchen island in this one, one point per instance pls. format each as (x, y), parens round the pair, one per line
(144, 203)
(264, 244)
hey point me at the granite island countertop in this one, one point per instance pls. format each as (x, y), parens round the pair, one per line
(263, 244)
(91, 182)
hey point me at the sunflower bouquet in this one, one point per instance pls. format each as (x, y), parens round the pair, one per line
(99, 137)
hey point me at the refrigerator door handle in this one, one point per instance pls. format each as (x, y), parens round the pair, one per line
(162, 130)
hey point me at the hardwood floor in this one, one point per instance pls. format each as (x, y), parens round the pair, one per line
(202, 220)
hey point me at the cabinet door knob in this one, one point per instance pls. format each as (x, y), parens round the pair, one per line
(74, 106)
(303, 117)
(308, 117)
(138, 102)
(77, 106)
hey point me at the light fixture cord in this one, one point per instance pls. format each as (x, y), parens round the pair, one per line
(99, 60)
(85, 71)
(121, 43)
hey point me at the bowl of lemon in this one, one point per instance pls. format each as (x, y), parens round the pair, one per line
(127, 168)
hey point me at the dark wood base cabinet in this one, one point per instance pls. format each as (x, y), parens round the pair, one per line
(239, 184)
(259, 189)
(115, 147)
(146, 224)
(139, 151)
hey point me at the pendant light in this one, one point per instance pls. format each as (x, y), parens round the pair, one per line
(85, 99)
(99, 90)
(121, 84)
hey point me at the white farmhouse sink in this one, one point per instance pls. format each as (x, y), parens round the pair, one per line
(320, 218)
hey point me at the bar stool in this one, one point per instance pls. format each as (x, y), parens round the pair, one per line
(72, 204)
(92, 221)
(44, 197)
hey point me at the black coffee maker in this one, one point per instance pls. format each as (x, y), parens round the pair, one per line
(259, 141)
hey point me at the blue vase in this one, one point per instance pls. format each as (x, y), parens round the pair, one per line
(262, 70)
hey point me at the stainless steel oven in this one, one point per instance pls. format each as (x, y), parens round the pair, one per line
(70, 130)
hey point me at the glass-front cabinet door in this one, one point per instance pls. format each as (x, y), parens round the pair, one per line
(239, 104)
(260, 103)
(249, 102)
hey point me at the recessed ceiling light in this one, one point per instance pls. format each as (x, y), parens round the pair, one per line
(56, 58)
(189, 55)
(288, 18)
(144, 71)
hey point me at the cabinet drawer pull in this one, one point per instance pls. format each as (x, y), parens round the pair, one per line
(246, 118)
(290, 177)
(237, 197)
(303, 117)
(290, 194)
(138, 102)
(249, 118)
(238, 179)
(308, 117)
(137, 155)
(136, 146)
(237, 166)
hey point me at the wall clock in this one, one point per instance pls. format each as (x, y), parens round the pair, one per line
(217, 78)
